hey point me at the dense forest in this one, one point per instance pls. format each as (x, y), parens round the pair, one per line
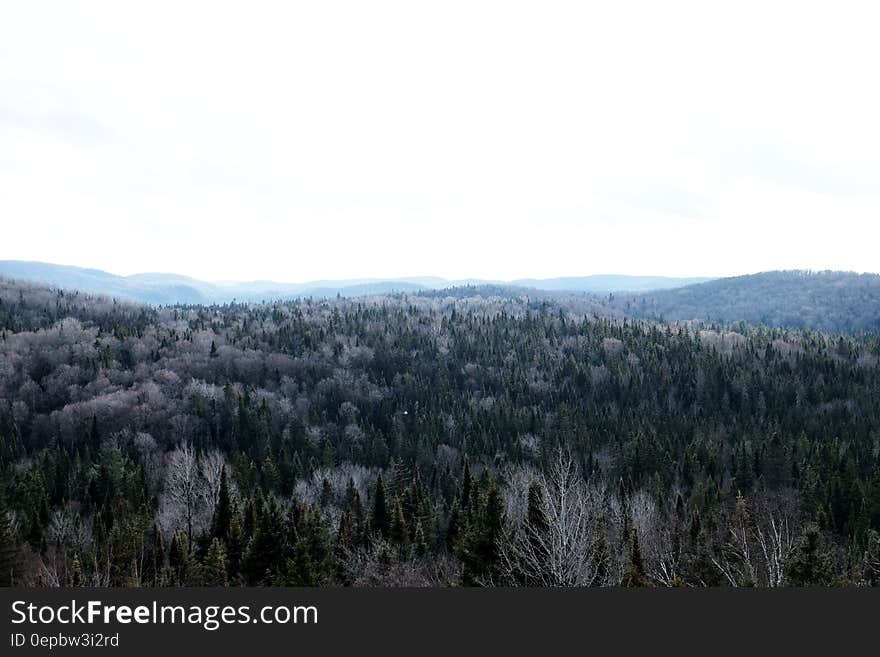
(830, 301)
(826, 301)
(469, 437)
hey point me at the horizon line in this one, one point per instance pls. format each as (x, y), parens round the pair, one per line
(410, 278)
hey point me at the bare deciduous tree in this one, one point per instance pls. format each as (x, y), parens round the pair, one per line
(183, 485)
(557, 550)
(735, 561)
(211, 469)
(757, 544)
(777, 543)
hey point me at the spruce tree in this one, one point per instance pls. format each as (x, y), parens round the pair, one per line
(235, 543)
(600, 554)
(342, 547)
(179, 559)
(454, 528)
(76, 572)
(536, 528)
(745, 473)
(326, 493)
(356, 507)
(320, 545)
(222, 517)
(301, 568)
(536, 514)
(266, 551)
(271, 475)
(481, 546)
(399, 534)
(635, 572)
(159, 565)
(812, 563)
(381, 518)
(213, 566)
(420, 547)
(467, 485)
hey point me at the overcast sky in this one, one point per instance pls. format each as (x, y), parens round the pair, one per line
(300, 141)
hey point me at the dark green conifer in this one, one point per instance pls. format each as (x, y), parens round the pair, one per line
(399, 533)
(76, 572)
(213, 566)
(635, 572)
(222, 517)
(265, 554)
(420, 547)
(179, 559)
(600, 554)
(381, 517)
(159, 565)
(812, 563)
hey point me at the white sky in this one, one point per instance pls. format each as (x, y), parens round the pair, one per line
(299, 141)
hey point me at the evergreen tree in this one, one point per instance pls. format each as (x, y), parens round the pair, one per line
(271, 475)
(812, 563)
(179, 559)
(213, 566)
(235, 542)
(76, 572)
(454, 528)
(265, 555)
(381, 518)
(494, 521)
(535, 512)
(356, 508)
(301, 568)
(536, 516)
(745, 474)
(480, 548)
(635, 572)
(326, 493)
(159, 558)
(419, 545)
(399, 534)
(600, 554)
(343, 546)
(222, 518)
(467, 484)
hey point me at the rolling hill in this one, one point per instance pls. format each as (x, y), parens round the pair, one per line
(828, 300)
(164, 288)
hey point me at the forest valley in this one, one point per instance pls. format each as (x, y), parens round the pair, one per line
(429, 439)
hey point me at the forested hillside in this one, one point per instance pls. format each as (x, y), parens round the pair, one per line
(825, 301)
(434, 439)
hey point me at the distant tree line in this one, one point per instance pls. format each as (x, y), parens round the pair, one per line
(826, 301)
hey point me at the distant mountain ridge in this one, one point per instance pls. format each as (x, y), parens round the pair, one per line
(825, 300)
(831, 301)
(164, 288)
